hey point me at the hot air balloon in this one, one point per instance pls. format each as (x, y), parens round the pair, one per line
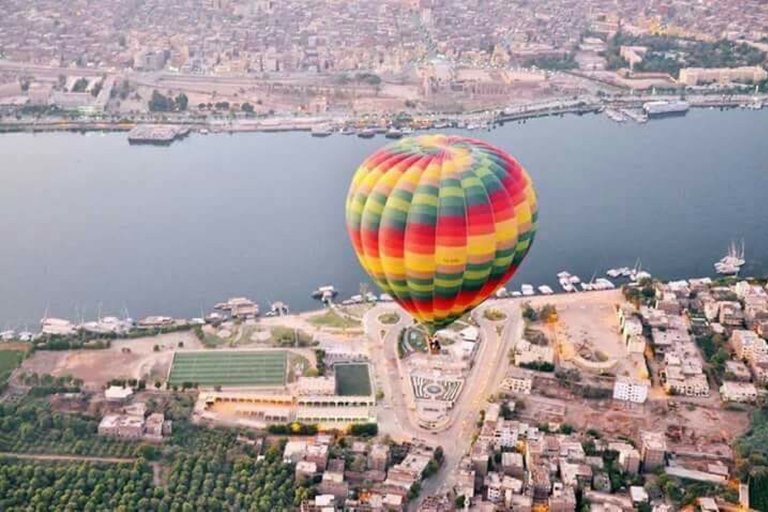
(440, 222)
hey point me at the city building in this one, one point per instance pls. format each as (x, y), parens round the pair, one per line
(722, 76)
(627, 389)
(743, 392)
(653, 450)
(518, 380)
(118, 394)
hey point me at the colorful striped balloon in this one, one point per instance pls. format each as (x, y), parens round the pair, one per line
(440, 222)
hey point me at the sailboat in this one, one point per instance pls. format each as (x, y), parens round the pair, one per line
(732, 262)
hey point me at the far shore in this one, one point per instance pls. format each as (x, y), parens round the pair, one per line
(486, 118)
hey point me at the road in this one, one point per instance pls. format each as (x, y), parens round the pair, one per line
(70, 458)
(490, 366)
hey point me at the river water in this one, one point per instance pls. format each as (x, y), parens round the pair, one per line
(89, 223)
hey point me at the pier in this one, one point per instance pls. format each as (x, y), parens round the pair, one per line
(159, 135)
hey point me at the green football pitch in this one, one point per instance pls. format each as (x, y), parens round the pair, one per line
(229, 368)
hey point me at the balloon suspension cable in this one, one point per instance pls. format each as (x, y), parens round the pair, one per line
(432, 342)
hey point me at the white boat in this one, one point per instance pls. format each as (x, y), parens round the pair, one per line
(625, 272)
(545, 290)
(640, 275)
(278, 309)
(321, 131)
(574, 279)
(603, 284)
(527, 290)
(502, 293)
(614, 272)
(566, 285)
(732, 262)
(563, 275)
(515, 293)
(393, 133)
(587, 287)
(325, 293)
(385, 297)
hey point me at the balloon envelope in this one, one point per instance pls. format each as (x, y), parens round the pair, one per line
(440, 223)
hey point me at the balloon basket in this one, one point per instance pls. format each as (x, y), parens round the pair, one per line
(434, 345)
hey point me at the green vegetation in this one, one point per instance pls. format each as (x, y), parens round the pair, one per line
(547, 313)
(494, 315)
(80, 85)
(389, 318)
(364, 430)
(669, 55)
(752, 459)
(9, 361)
(293, 429)
(203, 469)
(368, 78)
(715, 352)
(320, 361)
(560, 63)
(161, 103)
(46, 384)
(287, 337)
(32, 427)
(229, 368)
(208, 339)
(685, 492)
(643, 295)
(352, 379)
(539, 366)
(332, 319)
(211, 473)
(25, 486)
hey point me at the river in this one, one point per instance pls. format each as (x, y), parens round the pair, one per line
(89, 223)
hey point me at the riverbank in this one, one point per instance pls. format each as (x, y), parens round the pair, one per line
(355, 125)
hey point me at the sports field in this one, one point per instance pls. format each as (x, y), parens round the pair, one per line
(229, 368)
(352, 379)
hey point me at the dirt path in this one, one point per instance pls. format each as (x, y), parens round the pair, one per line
(80, 458)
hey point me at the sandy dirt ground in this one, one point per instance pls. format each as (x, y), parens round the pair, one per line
(130, 359)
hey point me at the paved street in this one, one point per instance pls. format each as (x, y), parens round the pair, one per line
(491, 364)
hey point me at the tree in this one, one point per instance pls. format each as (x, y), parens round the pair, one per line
(80, 85)
(414, 491)
(364, 429)
(146, 451)
(181, 102)
(160, 102)
(247, 108)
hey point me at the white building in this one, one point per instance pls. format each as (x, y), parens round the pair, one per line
(747, 344)
(518, 381)
(117, 394)
(311, 386)
(744, 392)
(627, 389)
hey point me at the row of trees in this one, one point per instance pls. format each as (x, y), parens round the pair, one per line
(32, 427)
(752, 451)
(196, 482)
(162, 103)
(207, 469)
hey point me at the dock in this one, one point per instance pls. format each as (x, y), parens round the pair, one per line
(159, 135)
